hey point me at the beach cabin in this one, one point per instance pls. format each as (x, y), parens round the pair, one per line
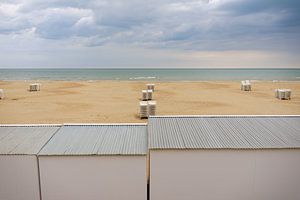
(19, 171)
(225, 157)
(95, 162)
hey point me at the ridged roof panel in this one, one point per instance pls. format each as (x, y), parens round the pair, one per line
(224, 132)
(98, 140)
(24, 140)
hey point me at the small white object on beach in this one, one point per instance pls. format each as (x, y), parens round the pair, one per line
(147, 108)
(283, 94)
(34, 87)
(151, 108)
(246, 85)
(143, 109)
(149, 94)
(150, 86)
(288, 94)
(1, 94)
(144, 95)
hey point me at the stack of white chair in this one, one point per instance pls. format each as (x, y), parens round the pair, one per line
(283, 94)
(144, 95)
(147, 107)
(35, 87)
(149, 94)
(288, 94)
(143, 109)
(1, 94)
(151, 108)
(150, 86)
(246, 85)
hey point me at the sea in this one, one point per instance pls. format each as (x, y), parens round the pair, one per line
(151, 74)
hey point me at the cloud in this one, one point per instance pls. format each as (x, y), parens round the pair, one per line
(175, 25)
(60, 23)
(155, 22)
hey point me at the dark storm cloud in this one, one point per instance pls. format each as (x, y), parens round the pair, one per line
(190, 24)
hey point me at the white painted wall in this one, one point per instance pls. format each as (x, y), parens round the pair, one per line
(93, 177)
(225, 174)
(19, 177)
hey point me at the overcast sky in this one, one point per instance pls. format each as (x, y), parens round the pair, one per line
(149, 33)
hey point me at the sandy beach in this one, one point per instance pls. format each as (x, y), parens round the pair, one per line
(117, 101)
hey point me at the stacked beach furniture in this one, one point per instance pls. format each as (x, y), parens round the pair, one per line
(1, 94)
(144, 95)
(143, 109)
(246, 85)
(147, 107)
(283, 94)
(147, 95)
(34, 87)
(150, 86)
(151, 108)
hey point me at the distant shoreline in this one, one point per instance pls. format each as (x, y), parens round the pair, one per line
(152, 68)
(154, 81)
(151, 74)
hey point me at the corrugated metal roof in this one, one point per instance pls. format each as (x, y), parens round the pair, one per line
(98, 140)
(24, 140)
(224, 132)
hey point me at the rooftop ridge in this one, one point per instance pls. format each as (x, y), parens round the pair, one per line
(221, 116)
(104, 124)
(31, 125)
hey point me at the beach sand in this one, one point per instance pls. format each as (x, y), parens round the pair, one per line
(118, 101)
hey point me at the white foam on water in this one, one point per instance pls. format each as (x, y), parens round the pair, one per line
(142, 77)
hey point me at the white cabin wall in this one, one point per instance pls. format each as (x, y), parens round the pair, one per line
(19, 177)
(93, 177)
(225, 174)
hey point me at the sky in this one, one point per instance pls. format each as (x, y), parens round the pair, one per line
(149, 33)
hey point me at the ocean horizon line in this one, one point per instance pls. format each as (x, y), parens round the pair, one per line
(151, 74)
(150, 68)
